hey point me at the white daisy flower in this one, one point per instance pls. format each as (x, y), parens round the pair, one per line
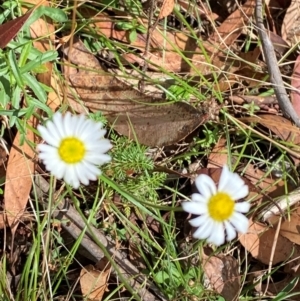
(218, 212)
(75, 147)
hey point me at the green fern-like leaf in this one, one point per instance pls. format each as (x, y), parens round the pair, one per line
(127, 210)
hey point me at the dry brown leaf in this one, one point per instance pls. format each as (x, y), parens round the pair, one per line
(261, 101)
(93, 282)
(266, 184)
(130, 112)
(280, 45)
(56, 96)
(250, 56)
(198, 10)
(156, 60)
(295, 83)
(290, 26)
(3, 223)
(233, 26)
(290, 228)
(105, 25)
(259, 242)
(3, 168)
(9, 29)
(166, 8)
(256, 277)
(274, 288)
(219, 155)
(223, 274)
(20, 170)
(280, 126)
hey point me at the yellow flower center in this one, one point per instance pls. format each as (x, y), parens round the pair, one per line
(220, 206)
(71, 150)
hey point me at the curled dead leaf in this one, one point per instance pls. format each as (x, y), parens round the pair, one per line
(223, 274)
(259, 242)
(151, 121)
(166, 8)
(290, 228)
(93, 282)
(295, 83)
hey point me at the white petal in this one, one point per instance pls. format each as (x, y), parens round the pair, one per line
(205, 230)
(234, 183)
(224, 178)
(95, 136)
(52, 163)
(99, 133)
(92, 171)
(98, 127)
(45, 148)
(81, 174)
(59, 171)
(71, 177)
(88, 172)
(94, 128)
(68, 124)
(49, 155)
(205, 186)
(235, 187)
(196, 197)
(99, 159)
(88, 130)
(51, 137)
(241, 193)
(217, 237)
(74, 183)
(238, 180)
(58, 122)
(243, 207)
(230, 231)
(94, 133)
(80, 123)
(194, 207)
(240, 222)
(198, 221)
(101, 146)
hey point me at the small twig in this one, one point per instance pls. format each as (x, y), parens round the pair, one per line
(272, 64)
(76, 225)
(151, 28)
(283, 203)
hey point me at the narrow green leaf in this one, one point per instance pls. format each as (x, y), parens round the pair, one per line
(35, 86)
(15, 69)
(26, 49)
(40, 60)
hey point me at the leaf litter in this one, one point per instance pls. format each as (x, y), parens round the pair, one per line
(148, 120)
(156, 122)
